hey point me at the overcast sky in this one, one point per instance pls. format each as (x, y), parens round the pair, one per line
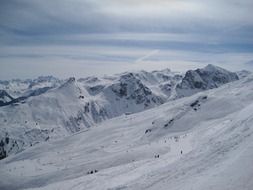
(94, 37)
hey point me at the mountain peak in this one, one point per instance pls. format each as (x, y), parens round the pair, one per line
(213, 68)
(69, 84)
(203, 79)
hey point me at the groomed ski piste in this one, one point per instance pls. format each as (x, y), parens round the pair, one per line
(204, 141)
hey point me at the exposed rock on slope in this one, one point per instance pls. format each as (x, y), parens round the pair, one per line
(4, 97)
(203, 79)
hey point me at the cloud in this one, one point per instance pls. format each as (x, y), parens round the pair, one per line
(148, 55)
(30, 17)
(94, 33)
(250, 62)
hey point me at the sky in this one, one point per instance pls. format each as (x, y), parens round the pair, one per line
(96, 37)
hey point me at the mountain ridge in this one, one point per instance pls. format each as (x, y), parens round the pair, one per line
(56, 108)
(202, 141)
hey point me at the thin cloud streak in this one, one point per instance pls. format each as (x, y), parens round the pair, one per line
(148, 55)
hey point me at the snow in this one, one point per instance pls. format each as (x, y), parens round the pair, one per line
(203, 79)
(213, 129)
(49, 108)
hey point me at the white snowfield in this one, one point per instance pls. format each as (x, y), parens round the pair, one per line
(201, 142)
(49, 108)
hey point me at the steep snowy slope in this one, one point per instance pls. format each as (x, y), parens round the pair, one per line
(198, 142)
(50, 108)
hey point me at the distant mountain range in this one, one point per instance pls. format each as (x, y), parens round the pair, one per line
(37, 110)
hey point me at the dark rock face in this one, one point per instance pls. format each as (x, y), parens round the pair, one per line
(4, 93)
(204, 79)
(93, 90)
(39, 91)
(131, 88)
(3, 153)
(4, 97)
(36, 92)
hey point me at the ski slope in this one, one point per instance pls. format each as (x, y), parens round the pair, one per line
(203, 141)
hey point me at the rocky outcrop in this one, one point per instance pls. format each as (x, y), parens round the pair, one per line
(203, 79)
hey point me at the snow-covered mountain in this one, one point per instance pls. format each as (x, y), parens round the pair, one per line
(50, 108)
(203, 79)
(243, 73)
(203, 141)
(21, 88)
